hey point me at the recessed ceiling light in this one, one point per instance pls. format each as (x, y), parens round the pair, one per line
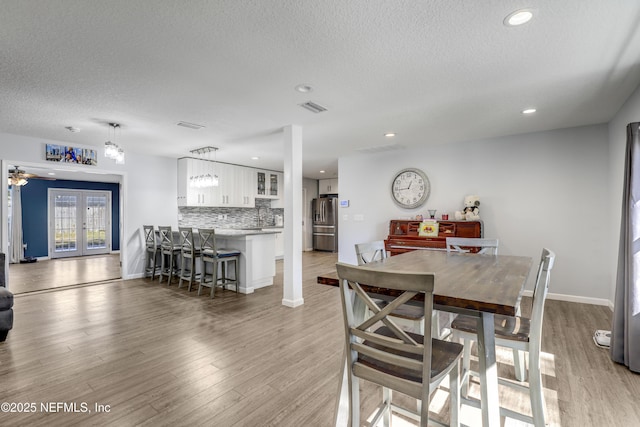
(255, 158)
(519, 17)
(51, 173)
(321, 171)
(304, 88)
(529, 111)
(389, 134)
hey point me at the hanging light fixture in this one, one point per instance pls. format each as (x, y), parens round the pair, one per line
(204, 179)
(111, 149)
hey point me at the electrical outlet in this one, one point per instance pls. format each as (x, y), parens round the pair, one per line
(220, 216)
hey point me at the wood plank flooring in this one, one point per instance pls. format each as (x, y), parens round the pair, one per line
(157, 355)
(62, 272)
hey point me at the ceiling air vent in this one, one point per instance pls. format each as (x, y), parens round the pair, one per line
(313, 107)
(381, 148)
(190, 125)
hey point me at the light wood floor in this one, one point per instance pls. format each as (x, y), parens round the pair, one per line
(61, 272)
(158, 355)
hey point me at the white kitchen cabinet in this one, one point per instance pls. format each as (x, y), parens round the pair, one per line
(236, 186)
(328, 186)
(268, 184)
(188, 195)
(245, 181)
(280, 245)
(278, 202)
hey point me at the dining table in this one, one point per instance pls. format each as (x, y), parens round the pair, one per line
(474, 285)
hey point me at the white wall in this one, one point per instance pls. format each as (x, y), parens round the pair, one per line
(544, 189)
(148, 184)
(628, 113)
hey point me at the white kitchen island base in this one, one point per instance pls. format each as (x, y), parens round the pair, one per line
(257, 259)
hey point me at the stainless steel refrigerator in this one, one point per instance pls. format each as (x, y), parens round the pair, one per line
(324, 213)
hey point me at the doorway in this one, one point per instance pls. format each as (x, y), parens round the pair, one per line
(79, 223)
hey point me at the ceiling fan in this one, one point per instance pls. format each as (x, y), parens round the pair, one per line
(19, 177)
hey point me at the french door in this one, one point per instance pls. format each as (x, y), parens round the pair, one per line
(79, 222)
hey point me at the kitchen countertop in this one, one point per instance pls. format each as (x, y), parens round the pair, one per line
(234, 232)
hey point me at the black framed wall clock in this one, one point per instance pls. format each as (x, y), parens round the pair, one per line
(410, 188)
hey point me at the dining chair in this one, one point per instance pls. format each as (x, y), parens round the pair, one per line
(409, 316)
(518, 333)
(478, 246)
(169, 252)
(152, 252)
(395, 359)
(218, 258)
(189, 254)
(470, 244)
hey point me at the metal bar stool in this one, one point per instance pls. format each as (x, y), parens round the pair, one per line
(211, 255)
(169, 253)
(189, 255)
(152, 263)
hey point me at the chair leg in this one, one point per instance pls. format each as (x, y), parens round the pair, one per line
(386, 398)
(203, 275)
(153, 265)
(214, 278)
(182, 270)
(536, 394)
(192, 273)
(161, 267)
(454, 401)
(237, 265)
(354, 399)
(223, 274)
(466, 367)
(519, 366)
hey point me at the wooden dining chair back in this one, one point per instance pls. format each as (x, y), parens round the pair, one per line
(520, 334)
(189, 254)
(219, 259)
(409, 316)
(378, 350)
(369, 252)
(469, 244)
(152, 252)
(169, 251)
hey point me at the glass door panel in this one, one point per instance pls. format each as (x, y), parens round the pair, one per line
(80, 223)
(96, 223)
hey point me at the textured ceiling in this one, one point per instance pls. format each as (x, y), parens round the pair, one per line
(432, 71)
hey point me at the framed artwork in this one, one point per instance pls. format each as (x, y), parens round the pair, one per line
(428, 228)
(69, 154)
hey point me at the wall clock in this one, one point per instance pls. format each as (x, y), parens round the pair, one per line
(410, 188)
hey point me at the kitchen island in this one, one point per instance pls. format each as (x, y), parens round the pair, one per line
(257, 259)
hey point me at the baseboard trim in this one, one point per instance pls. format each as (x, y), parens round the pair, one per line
(573, 298)
(293, 303)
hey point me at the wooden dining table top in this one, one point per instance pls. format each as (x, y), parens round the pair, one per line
(487, 283)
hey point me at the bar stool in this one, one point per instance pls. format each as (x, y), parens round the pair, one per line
(169, 253)
(211, 255)
(152, 266)
(189, 254)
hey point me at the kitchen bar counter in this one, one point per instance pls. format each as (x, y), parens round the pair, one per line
(257, 248)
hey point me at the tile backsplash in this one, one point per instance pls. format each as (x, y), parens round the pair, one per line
(208, 217)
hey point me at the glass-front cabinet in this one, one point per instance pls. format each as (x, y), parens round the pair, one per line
(269, 184)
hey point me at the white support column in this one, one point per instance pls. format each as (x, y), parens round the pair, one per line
(292, 292)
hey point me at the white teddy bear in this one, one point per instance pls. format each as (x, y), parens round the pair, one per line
(471, 211)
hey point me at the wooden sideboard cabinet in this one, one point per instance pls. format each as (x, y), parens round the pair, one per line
(403, 235)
